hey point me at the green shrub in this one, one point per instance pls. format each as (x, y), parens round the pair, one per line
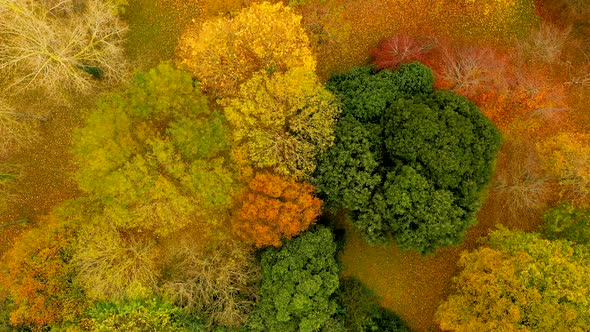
(568, 223)
(140, 316)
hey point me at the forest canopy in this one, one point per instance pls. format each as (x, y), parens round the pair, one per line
(301, 165)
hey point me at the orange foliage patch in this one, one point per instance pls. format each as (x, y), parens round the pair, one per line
(273, 208)
(36, 274)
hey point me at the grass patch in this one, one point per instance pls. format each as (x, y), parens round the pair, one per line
(154, 29)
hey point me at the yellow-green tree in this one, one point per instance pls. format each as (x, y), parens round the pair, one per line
(226, 51)
(113, 265)
(520, 282)
(155, 155)
(282, 121)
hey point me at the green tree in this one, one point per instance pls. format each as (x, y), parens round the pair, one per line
(154, 155)
(520, 282)
(568, 223)
(408, 162)
(299, 282)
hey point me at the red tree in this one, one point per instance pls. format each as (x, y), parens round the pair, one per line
(398, 49)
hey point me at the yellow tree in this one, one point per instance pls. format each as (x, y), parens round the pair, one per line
(225, 52)
(567, 157)
(282, 121)
(520, 282)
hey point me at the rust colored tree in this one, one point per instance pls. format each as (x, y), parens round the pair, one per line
(275, 208)
(401, 48)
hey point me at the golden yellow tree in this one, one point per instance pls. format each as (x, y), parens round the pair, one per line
(225, 52)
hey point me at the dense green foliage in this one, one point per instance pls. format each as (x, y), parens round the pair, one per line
(408, 162)
(154, 154)
(568, 223)
(523, 282)
(299, 283)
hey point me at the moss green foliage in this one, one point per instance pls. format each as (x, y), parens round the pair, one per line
(299, 282)
(568, 223)
(523, 282)
(8, 175)
(361, 311)
(141, 316)
(153, 155)
(408, 162)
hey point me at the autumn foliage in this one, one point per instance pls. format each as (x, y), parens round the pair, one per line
(227, 51)
(567, 157)
(503, 82)
(275, 208)
(282, 121)
(520, 282)
(38, 274)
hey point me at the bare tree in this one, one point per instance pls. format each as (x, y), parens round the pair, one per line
(545, 44)
(219, 281)
(59, 45)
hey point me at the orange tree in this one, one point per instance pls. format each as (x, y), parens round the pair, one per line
(275, 208)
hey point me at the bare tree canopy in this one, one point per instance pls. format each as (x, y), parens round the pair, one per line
(59, 45)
